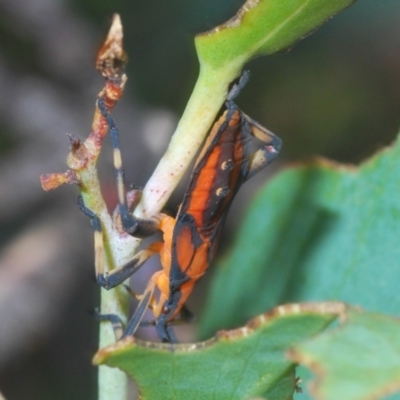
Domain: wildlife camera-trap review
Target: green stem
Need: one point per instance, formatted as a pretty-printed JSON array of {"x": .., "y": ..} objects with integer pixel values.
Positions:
[
  {"x": 119, "y": 248},
  {"x": 112, "y": 382},
  {"x": 205, "y": 102}
]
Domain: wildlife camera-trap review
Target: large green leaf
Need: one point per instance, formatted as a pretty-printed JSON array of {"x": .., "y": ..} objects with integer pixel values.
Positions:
[
  {"x": 263, "y": 27},
  {"x": 359, "y": 360},
  {"x": 235, "y": 365},
  {"x": 315, "y": 232}
]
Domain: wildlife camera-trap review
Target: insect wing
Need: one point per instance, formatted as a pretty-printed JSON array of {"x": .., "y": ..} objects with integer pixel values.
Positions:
[
  {"x": 220, "y": 170},
  {"x": 189, "y": 255}
]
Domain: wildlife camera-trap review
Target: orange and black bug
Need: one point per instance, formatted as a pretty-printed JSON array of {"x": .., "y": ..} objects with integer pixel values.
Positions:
[{"x": 226, "y": 161}]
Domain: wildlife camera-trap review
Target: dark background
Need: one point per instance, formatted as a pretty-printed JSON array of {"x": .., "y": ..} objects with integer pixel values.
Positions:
[{"x": 336, "y": 94}]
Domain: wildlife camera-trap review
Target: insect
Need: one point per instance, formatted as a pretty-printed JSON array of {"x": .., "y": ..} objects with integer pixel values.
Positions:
[{"x": 226, "y": 161}]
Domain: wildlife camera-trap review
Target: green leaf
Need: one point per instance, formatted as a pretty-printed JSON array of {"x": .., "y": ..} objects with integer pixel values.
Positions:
[
  {"x": 359, "y": 360},
  {"x": 263, "y": 27},
  {"x": 316, "y": 232},
  {"x": 239, "y": 364}
]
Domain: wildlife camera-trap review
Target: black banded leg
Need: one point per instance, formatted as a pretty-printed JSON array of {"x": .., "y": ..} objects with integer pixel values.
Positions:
[
  {"x": 171, "y": 334},
  {"x": 144, "y": 304},
  {"x": 116, "y": 322},
  {"x": 94, "y": 219},
  {"x": 98, "y": 237},
  {"x": 134, "y": 322},
  {"x": 134, "y": 226},
  {"x": 164, "y": 330},
  {"x": 118, "y": 275},
  {"x": 128, "y": 222},
  {"x": 109, "y": 280}
]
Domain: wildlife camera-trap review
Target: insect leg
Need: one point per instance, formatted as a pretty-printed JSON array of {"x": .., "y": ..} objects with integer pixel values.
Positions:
[
  {"x": 171, "y": 334},
  {"x": 237, "y": 87},
  {"x": 163, "y": 321},
  {"x": 132, "y": 225},
  {"x": 142, "y": 307},
  {"x": 94, "y": 219},
  {"x": 109, "y": 280},
  {"x": 115, "y": 320},
  {"x": 165, "y": 331},
  {"x": 98, "y": 237},
  {"x": 115, "y": 277}
]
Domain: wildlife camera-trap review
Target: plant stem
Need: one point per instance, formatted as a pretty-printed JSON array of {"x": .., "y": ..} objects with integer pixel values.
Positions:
[
  {"x": 208, "y": 95},
  {"x": 112, "y": 383}
]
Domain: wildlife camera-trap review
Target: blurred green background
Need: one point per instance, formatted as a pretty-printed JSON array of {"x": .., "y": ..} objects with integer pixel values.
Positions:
[{"x": 336, "y": 94}]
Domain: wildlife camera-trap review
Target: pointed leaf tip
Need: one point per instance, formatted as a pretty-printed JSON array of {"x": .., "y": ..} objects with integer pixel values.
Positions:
[{"x": 111, "y": 58}]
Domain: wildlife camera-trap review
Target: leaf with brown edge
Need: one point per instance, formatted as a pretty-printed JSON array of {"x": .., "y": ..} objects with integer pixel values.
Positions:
[
  {"x": 237, "y": 364},
  {"x": 359, "y": 360}
]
